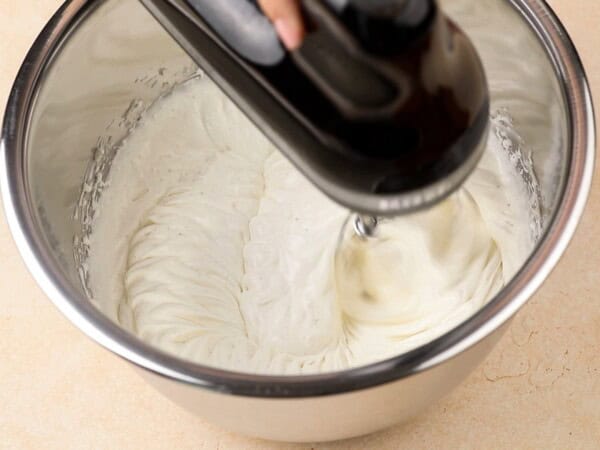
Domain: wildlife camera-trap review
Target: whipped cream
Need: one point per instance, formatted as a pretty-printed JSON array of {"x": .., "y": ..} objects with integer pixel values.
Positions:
[{"x": 210, "y": 245}]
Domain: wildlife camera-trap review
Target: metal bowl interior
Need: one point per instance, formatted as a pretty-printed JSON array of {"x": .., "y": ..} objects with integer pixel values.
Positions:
[{"x": 100, "y": 60}]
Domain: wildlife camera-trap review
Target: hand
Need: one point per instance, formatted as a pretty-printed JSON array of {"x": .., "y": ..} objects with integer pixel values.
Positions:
[{"x": 287, "y": 19}]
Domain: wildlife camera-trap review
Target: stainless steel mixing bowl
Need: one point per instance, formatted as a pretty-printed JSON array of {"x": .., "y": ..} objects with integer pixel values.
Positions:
[{"x": 83, "y": 86}]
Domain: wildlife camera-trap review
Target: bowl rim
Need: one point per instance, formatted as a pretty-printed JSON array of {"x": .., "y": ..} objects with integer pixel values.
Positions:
[{"x": 19, "y": 213}]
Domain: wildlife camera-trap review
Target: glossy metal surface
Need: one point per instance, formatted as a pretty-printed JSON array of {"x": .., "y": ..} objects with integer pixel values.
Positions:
[{"x": 94, "y": 57}]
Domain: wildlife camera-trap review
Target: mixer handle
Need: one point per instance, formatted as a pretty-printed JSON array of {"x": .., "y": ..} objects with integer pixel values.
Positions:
[
  {"x": 345, "y": 52},
  {"x": 241, "y": 24}
]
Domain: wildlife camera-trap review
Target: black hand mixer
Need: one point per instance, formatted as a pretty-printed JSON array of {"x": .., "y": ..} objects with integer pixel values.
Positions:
[{"x": 384, "y": 107}]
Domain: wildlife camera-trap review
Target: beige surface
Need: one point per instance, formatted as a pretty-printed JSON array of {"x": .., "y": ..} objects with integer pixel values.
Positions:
[{"x": 539, "y": 389}]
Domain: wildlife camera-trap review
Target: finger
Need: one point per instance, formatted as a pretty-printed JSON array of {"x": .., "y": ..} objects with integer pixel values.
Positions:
[{"x": 287, "y": 19}]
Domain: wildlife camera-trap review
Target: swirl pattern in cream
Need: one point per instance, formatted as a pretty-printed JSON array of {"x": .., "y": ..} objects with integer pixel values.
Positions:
[{"x": 211, "y": 246}]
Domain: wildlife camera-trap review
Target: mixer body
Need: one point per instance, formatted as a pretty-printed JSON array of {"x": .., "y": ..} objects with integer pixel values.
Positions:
[{"x": 384, "y": 107}]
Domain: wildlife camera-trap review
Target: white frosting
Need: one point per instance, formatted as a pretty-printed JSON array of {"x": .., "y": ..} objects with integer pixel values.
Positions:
[{"x": 211, "y": 246}]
